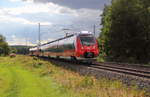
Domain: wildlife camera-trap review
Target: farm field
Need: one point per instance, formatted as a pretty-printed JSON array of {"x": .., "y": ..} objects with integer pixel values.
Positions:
[{"x": 24, "y": 76}]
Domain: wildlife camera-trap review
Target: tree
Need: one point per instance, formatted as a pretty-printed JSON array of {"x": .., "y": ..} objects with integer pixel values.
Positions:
[
  {"x": 4, "y": 48},
  {"x": 13, "y": 50},
  {"x": 103, "y": 38},
  {"x": 21, "y": 49},
  {"x": 127, "y": 24}
]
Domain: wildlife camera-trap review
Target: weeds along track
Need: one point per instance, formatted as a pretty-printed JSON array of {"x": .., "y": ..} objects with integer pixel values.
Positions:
[{"x": 137, "y": 75}]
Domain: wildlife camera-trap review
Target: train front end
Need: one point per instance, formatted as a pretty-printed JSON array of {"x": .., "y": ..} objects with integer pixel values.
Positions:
[{"x": 87, "y": 46}]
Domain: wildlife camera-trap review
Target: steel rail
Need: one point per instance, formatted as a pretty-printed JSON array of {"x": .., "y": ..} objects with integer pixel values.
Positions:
[
  {"x": 121, "y": 70},
  {"x": 118, "y": 69}
]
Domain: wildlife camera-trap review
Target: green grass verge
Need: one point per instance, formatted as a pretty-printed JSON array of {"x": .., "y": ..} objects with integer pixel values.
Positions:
[
  {"x": 25, "y": 76},
  {"x": 16, "y": 81}
]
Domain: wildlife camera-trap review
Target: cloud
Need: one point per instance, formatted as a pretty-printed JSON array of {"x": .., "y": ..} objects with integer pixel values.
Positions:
[
  {"x": 25, "y": 18},
  {"x": 32, "y": 8},
  {"x": 89, "y": 13},
  {"x": 57, "y": 11},
  {"x": 8, "y": 19},
  {"x": 77, "y": 4},
  {"x": 51, "y": 9},
  {"x": 28, "y": 1},
  {"x": 46, "y": 41},
  {"x": 14, "y": 0},
  {"x": 19, "y": 41}
]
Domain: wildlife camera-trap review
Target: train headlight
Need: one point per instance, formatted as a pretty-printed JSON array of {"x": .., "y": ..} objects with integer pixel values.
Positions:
[
  {"x": 82, "y": 48},
  {"x": 94, "y": 47}
]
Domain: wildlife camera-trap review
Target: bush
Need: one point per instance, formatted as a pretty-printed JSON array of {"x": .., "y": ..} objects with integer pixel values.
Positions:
[{"x": 87, "y": 82}]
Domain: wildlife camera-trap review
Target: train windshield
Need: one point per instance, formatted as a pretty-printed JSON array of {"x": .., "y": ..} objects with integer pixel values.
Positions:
[{"x": 87, "y": 40}]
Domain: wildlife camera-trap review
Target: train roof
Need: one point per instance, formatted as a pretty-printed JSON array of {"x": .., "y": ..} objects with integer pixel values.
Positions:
[
  {"x": 54, "y": 41},
  {"x": 77, "y": 34},
  {"x": 58, "y": 39}
]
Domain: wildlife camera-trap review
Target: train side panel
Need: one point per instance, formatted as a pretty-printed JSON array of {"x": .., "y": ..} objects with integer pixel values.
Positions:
[{"x": 64, "y": 47}]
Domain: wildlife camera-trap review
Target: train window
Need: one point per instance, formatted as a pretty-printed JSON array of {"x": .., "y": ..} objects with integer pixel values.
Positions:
[{"x": 87, "y": 40}]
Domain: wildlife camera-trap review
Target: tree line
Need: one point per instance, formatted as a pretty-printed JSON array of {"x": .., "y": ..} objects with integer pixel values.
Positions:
[
  {"x": 4, "y": 48},
  {"x": 20, "y": 49},
  {"x": 125, "y": 33}
]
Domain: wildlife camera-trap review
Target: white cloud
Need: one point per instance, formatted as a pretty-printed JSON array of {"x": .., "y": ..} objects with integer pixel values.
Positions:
[
  {"x": 28, "y": 1},
  {"x": 46, "y": 41},
  {"x": 19, "y": 41},
  {"x": 31, "y": 8},
  {"x": 76, "y": 19},
  {"x": 8, "y": 19},
  {"x": 89, "y": 13},
  {"x": 45, "y": 23},
  {"x": 14, "y": 0},
  {"x": 1, "y": 12},
  {"x": 81, "y": 13},
  {"x": 69, "y": 11},
  {"x": 51, "y": 8}
]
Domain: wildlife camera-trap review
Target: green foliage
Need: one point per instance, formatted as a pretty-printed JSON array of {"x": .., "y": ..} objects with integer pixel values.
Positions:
[
  {"x": 13, "y": 50},
  {"x": 87, "y": 82},
  {"x": 126, "y": 31},
  {"x": 4, "y": 48},
  {"x": 103, "y": 38},
  {"x": 37, "y": 64},
  {"x": 21, "y": 49}
]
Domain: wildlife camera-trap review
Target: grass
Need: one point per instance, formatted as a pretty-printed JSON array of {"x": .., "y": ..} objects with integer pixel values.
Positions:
[
  {"x": 19, "y": 81},
  {"x": 25, "y": 76}
]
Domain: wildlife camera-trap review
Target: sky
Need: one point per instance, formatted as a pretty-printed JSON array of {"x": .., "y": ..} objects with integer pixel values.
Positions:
[{"x": 19, "y": 19}]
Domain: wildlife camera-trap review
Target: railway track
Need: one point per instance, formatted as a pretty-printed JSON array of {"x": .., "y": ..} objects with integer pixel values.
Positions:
[
  {"x": 123, "y": 70},
  {"x": 127, "y": 74},
  {"x": 137, "y": 72}
]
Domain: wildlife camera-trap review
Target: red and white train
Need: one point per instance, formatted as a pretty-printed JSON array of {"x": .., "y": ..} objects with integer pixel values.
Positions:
[{"x": 76, "y": 46}]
